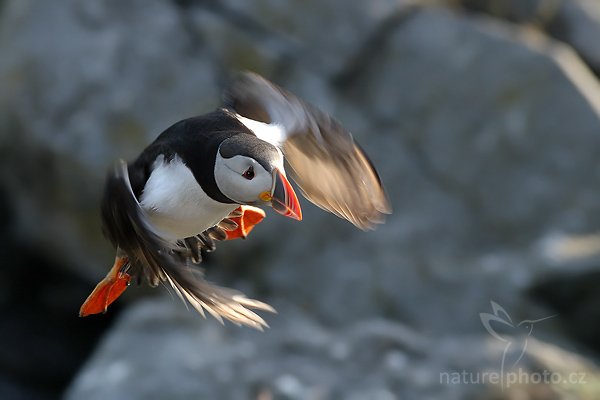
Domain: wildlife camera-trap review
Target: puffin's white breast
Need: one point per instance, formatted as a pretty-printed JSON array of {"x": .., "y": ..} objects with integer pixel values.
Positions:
[{"x": 175, "y": 202}]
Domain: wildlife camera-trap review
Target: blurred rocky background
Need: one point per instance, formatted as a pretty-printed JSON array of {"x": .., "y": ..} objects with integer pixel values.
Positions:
[{"x": 483, "y": 117}]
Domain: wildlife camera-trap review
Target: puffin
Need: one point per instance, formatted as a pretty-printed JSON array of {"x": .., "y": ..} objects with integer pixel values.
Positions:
[{"x": 206, "y": 179}]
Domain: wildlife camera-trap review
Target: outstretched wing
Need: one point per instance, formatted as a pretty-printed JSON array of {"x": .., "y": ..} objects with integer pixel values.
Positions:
[
  {"x": 331, "y": 169},
  {"x": 151, "y": 257}
]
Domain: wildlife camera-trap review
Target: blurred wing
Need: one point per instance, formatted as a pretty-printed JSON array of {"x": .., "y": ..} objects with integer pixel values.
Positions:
[
  {"x": 331, "y": 169},
  {"x": 126, "y": 225}
]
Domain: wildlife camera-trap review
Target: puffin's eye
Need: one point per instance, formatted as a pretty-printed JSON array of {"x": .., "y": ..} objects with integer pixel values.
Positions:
[{"x": 249, "y": 173}]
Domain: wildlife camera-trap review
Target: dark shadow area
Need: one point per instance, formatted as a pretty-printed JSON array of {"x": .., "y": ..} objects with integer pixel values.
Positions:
[
  {"x": 44, "y": 342},
  {"x": 575, "y": 298}
]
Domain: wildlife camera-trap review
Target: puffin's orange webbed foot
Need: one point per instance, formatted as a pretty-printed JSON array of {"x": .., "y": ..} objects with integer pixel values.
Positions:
[
  {"x": 108, "y": 290},
  {"x": 250, "y": 217}
]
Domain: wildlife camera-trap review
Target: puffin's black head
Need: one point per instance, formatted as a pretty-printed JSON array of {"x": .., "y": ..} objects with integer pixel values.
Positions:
[{"x": 250, "y": 171}]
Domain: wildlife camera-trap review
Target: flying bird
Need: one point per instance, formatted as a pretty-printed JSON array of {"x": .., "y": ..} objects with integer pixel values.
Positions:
[{"x": 203, "y": 180}]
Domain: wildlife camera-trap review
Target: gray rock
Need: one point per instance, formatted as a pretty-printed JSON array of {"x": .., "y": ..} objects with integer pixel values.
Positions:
[
  {"x": 158, "y": 351},
  {"x": 296, "y": 359},
  {"x": 576, "y": 22},
  {"x": 323, "y": 40}
]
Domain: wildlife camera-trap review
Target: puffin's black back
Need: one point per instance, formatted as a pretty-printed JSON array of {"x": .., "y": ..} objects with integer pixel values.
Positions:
[{"x": 196, "y": 141}]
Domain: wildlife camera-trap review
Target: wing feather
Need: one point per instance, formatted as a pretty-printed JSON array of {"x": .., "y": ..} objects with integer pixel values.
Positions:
[{"x": 330, "y": 168}]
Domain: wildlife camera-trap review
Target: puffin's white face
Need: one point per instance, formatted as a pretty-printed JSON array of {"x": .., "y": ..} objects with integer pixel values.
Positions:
[
  {"x": 243, "y": 179},
  {"x": 250, "y": 171}
]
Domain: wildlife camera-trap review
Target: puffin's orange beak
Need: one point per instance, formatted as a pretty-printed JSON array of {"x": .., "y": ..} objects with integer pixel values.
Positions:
[{"x": 283, "y": 197}]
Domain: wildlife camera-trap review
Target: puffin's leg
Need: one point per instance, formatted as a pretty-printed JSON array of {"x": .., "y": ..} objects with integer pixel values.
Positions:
[
  {"x": 250, "y": 216},
  {"x": 109, "y": 288}
]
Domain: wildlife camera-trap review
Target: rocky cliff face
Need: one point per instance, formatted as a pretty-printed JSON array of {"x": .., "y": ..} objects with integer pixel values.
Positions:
[{"x": 484, "y": 122}]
